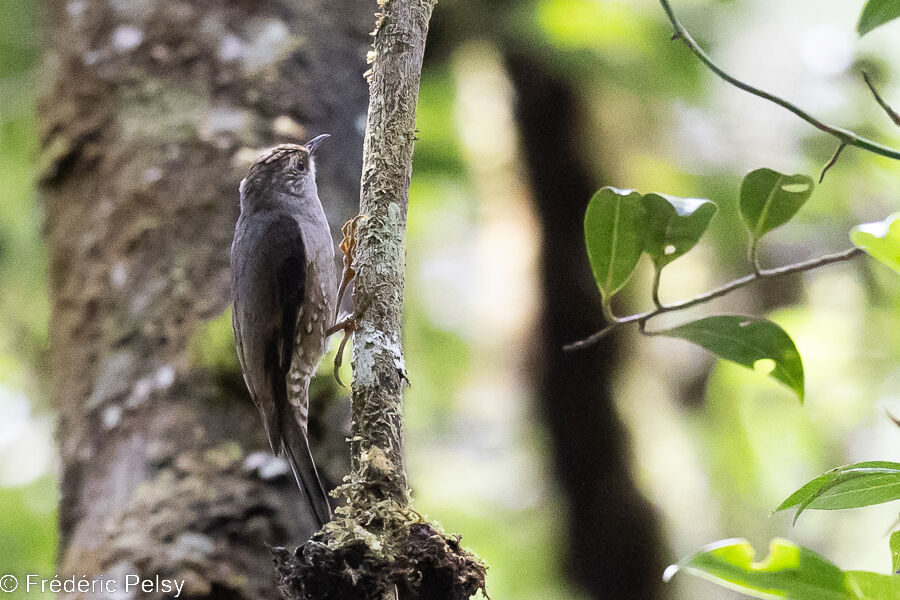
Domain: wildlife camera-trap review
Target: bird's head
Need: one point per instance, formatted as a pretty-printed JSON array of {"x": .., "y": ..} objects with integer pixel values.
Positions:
[{"x": 284, "y": 172}]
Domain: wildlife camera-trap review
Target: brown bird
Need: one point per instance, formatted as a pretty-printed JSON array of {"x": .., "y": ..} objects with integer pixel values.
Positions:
[{"x": 284, "y": 285}]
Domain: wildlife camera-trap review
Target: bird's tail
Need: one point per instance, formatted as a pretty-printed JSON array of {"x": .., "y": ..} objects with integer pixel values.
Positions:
[{"x": 296, "y": 449}]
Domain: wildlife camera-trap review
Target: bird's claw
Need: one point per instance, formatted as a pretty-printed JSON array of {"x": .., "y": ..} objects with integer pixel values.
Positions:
[{"x": 348, "y": 326}]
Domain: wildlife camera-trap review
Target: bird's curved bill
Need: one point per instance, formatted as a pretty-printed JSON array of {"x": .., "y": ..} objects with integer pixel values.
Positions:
[{"x": 314, "y": 143}]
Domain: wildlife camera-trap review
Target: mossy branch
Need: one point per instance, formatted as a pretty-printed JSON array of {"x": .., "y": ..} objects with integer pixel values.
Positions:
[
  {"x": 378, "y": 364},
  {"x": 377, "y": 548}
]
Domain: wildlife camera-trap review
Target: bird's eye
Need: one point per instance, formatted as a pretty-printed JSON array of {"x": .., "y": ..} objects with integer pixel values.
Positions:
[{"x": 300, "y": 165}]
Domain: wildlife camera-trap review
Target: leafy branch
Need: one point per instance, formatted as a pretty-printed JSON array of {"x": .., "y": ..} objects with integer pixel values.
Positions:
[
  {"x": 763, "y": 274},
  {"x": 844, "y": 136},
  {"x": 620, "y": 226},
  {"x": 790, "y": 570}
]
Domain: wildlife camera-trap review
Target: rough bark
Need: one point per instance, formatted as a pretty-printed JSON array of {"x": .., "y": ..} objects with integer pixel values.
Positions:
[
  {"x": 379, "y": 370},
  {"x": 377, "y": 548},
  {"x": 614, "y": 542},
  {"x": 154, "y": 112}
]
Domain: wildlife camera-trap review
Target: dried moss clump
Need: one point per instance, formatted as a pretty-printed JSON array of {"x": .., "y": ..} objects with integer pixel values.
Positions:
[{"x": 346, "y": 560}]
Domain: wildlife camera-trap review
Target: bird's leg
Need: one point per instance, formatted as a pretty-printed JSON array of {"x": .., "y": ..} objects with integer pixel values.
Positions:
[
  {"x": 348, "y": 323},
  {"x": 348, "y": 249},
  {"x": 348, "y": 326}
]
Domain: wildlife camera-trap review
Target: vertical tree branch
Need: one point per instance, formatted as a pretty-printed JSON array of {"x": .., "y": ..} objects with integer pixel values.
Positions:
[
  {"x": 378, "y": 365},
  {"x": 377, "y": 547}
]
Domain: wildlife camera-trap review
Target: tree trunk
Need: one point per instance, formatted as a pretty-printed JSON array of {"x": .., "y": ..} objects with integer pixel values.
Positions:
[
  {"x": 614, "y": 548},
  {"x": 614, "y": 537},
  {"x": 156, "y": 110}
]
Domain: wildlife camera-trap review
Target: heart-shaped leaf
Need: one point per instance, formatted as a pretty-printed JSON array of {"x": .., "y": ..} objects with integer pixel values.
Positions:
[
  {"x": 789, "y": 571},
  {"x": 770, "y": 199},
  {"x": 674, "y": 225},
  {"x": 877, "y": 13},
  {"x": 880, "y": 240},
  {"x": 752, "y": 342},
  {"x": 851, "y": 486},
  {"x": 614, "y": 226}
]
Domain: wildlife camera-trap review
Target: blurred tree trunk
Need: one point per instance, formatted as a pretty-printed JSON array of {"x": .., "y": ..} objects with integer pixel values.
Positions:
[
  {"x": 614, "y": 548},
  {"x": 155, "y": 110}
]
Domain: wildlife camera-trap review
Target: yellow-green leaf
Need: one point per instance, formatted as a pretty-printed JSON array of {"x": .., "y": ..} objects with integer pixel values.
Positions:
[
  {"x": 789, "y": 571},
  {"x": 895, "y": 551},
  {"x": 880, "y": 239}
]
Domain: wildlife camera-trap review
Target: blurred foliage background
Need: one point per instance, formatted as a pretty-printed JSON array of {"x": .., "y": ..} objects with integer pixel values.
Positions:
[{"x": 715, "y": 448}]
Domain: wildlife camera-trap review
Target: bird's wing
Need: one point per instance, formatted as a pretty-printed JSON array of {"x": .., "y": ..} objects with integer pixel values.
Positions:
[{"x": 269, "y": 273}]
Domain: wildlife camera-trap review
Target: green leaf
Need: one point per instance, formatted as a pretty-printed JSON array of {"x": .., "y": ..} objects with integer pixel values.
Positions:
[
  {"x": 789, "y": 571},
  {"x": 752, "y": 342},
  {"x": 770, "y": 199},
  {"x": 674, "y": 225},
  {"x": 877, "y": 13},
  {"x": 895, "y": 551},
  {"x": 614, "y": 226},
  {"x": 872, "y": 586},
  {"x": 880, "y": 239},
  {"x": 813, "y": 486},
  {"x": 850, "y": 486}
]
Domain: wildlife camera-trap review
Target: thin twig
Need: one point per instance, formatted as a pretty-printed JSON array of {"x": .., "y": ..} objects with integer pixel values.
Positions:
[
  {"x": 843, "y": 135},
  {"x": 895, "y": 117},
  {"x": 833, "y": 161},
  {"x": 642, "y": 318}
]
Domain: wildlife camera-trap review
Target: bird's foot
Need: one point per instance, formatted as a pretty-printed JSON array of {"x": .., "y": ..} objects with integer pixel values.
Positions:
[
  {"x": 348, "y": 249},
  {"x": 348, "y": 323},
  {"x": 348, "y": 326}
]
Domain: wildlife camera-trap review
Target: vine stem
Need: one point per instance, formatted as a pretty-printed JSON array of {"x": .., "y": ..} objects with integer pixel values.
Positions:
[
  {"x": 845, "y": 136},
  {"x": 833, "y": 161},
  {"x": 752, "y": 255},
  {"x": 654, "y": 290},
  {"x": 894, "y": 115},
  {"x": 642, "y": 318}
]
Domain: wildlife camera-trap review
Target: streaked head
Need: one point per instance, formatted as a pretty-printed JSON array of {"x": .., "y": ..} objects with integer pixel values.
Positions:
[{"x": 285, "y": 169}]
